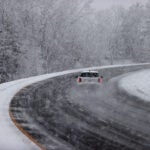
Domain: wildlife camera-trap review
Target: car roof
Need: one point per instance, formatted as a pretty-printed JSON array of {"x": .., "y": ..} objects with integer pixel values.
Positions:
[{"x": 90, "y": 71}]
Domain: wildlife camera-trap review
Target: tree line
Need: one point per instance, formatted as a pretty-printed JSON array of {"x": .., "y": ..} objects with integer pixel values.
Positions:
[{"x": 41, "y": 36}]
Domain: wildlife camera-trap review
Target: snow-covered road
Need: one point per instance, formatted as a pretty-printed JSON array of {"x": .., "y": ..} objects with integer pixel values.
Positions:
[
  {"x": 10, "y": 137},
  {"x": 137, "y": 84}
]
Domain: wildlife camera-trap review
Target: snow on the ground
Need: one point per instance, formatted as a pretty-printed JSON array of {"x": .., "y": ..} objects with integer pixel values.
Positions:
[
  {"x": 137, "y": 84},
  {"x": 10, "y": 137}
]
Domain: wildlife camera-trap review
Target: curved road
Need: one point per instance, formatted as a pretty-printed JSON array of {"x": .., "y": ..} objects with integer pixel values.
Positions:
[{"x": 109, "y": 113}]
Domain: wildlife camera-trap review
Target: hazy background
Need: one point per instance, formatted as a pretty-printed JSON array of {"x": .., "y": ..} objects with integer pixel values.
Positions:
[
  {"x": 42, "y": 36},
  {"x": 105, "y": 4}
]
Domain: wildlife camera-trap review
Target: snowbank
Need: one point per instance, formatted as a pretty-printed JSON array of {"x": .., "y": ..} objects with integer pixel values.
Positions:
[{"x": 137, "y": 84}]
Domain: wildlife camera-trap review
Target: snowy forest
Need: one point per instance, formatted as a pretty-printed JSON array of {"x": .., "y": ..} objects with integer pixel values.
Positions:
[{"x": 42, "y": 36}]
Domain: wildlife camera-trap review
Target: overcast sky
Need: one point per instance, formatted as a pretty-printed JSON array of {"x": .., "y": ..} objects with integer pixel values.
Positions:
[{"x": 103, "y": 4}]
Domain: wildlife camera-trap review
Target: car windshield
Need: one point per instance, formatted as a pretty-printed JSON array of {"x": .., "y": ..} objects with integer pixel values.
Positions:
[{"x": 89, "y": 74}]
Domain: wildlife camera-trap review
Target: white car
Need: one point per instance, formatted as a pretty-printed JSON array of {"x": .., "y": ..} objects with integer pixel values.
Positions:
[{"x": 90, "y": 77}]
